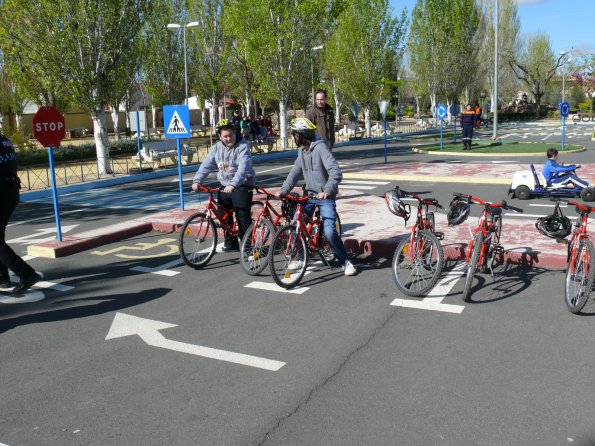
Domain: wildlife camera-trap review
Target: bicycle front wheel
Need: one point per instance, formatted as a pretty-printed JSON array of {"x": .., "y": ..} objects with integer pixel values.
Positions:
[
  {"x": 254, "y": 252},
  {"x": 473, "y": 263},
  {"x": 417, "y": 266},
  {"x": 197, "y": 240},
  {"x": 288, "y": 257},
  {"x": 580, "y": 281}
]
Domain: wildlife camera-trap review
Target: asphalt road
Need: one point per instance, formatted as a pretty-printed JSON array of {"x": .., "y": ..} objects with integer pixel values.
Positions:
[{"x": 238, "y": 364}]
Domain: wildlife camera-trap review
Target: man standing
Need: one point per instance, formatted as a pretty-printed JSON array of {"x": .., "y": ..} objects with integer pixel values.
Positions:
[
  {"x": 322, "y": 116},
  {"x": 468, "y": 123},
  {"x": 9, "y": 199}
]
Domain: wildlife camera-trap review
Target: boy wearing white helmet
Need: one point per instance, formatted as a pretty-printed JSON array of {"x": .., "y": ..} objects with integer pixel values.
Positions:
[{"x": 316, "y": 165}]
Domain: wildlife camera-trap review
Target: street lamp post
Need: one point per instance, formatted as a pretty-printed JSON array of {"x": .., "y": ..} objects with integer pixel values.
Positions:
[
  {"x": 495, "y": 93},
  {"x": 383, "y": 105},
  {"x": 316, "y": 48},
  {"x": 178, "y": 26},
  {"x": 566, "y": 60},
  {"x": 482, "y": 95}
]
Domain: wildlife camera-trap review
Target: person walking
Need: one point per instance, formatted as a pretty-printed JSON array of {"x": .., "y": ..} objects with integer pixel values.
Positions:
[
  {"x": 10, "y": 186},
  {"x": 316, "y": 165},
  {"x": 233, "y": 162},
  {"x": 468, "y": 123},
  {"x": 477, "y": 116},
  {"x": 322, "y": 116}
]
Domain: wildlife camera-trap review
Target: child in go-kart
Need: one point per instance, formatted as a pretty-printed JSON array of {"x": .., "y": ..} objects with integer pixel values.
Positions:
[{"x": 558, "y": 175}]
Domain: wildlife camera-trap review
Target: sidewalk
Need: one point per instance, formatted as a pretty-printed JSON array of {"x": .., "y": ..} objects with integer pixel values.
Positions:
[{"x": 370, "y": 230}]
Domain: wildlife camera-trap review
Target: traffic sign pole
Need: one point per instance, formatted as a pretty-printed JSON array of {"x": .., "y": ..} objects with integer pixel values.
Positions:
[
  {"x": 55, "y": 195},
  {"x": 176, "y": 119},
  {"x": 49, "y": 129},
  {"x": 564, "y": 112},
  {"x": 180, "y": 182},
  {"x": 563, "y": 130}
]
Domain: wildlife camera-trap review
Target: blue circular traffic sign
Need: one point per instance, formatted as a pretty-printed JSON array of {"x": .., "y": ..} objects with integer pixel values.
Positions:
[
  {"x": 441, "y": 111},
  {"x": 564, "y": 109},
  {"x": 455, "y": 109}
]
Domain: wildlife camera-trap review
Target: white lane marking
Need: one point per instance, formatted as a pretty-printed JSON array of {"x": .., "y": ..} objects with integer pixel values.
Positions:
[
  {"x": 32, "y": 295},
  {"x": 547, "y": 205},
  {"x": 35, "y": 238},
  {"x": 148, "y": 331},
  {"x": 276, "y": 168},
  {"x": 162, "y": 270},
  {"x": 379, "y": 183},
  {"x": 434, "y": 300},
  {"x": 514, "y": 214},
  {"x": 357, "y": 186},
  {"x": 48, "y": 217},
  {"x": 267, "y": 286},
  {"x": 28, "y": 257}
]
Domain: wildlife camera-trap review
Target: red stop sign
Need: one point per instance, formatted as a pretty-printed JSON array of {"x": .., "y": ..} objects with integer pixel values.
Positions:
[{"x": 48, "y": 127}]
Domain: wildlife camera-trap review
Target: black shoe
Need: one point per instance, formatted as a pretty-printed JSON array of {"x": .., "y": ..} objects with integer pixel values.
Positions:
[
  {"x": 230, "y": 247},
  {"x": 4, "y": 281},
  {"x": 26, "y": 283}
]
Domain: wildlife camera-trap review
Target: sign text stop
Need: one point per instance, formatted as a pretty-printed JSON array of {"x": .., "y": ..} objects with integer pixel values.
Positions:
[{"x": 48, "y": 127}]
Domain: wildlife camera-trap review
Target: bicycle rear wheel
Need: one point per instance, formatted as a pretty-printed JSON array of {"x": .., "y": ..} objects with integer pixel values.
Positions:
[
  {"x": 197, "y": 240},
  {"x": 417, "y": 266},
  {"x": 580, "y": 281},
  {"x": 472, "y": 266},
  {"x": 431, "y": 222},
  {"x": 288, "y": 257},
  {"x": 254, "y": 252},
  {"x": 494, "y": 244}
]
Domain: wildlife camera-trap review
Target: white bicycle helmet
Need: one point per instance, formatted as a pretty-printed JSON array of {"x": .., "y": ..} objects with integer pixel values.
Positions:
[{"x": 396, "y": 205}]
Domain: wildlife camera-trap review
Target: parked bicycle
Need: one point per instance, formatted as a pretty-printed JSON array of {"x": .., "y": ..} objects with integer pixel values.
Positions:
[
  {"x": 254, "y": 251},
  {"x": 197, "y": 240},
  {"x": 580, "y": 273},
  {"x": 418, "y": 259},
  {"x": 293, "y": 245},
  {"x": 485, "y": 246}
]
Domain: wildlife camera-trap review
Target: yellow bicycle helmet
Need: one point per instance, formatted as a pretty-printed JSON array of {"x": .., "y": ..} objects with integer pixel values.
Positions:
[{"x": 223, "y": 124}]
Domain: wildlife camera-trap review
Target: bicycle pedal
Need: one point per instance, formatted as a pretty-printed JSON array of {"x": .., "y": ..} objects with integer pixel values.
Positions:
[
  {"x": 562, "y": 241},
  {"x": 439, "y": 235},
  {"x": 499, "y": 249}
]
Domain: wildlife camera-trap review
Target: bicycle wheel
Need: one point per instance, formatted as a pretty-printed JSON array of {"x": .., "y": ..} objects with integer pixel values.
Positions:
[
  {"x": 416, "y": 273},
  {"x": 197, "y": 240},
  {"x": 254, "y": 252},
  {"x": 580, "y": 281},
  {"x": 288, "y": 257},
  {"x": 431, "y": 222},
  {"x": 472, "y": 266},
  {"x": 256, "y": 209},
  {"x": 494, "y": 244},
  {"x": 324, "y": 248}
]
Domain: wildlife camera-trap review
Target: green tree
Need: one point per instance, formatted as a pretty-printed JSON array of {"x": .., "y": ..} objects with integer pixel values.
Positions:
[
  {"x": 536, "y": 65},
  {"x": 79, "y": 49},
  {"x": 275, "y": 35},
  {"x": 508, "y": 46},
  {"x": 365, "y": 52},
  {"x": 443, "y": 46}
]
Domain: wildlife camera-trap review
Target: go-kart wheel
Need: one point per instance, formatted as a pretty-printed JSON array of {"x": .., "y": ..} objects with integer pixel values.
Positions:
[
  {"x": 588, "y": 194},
  {"x": 522, "y": 193}
]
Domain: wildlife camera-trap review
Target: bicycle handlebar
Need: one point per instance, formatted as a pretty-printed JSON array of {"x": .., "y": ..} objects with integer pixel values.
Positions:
[
  {"x": 202, "y": 188},
  {"x": 476, "y": 200},
  {"x": 425, "y": 201}
]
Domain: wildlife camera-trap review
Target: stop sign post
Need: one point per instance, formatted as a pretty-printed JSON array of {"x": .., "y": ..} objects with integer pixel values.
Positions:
[{"x": 49, "y": 129}]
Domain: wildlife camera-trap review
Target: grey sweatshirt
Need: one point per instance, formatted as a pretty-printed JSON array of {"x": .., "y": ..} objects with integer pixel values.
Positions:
[
  {"x": 233, "y": 165},
  {"x": 317, "y": 167}
]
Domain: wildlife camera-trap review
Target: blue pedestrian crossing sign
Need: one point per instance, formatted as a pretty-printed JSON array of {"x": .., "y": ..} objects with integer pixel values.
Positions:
[
  {"x": 176, "y": 121},
  {"x": 441, "y": 111}
]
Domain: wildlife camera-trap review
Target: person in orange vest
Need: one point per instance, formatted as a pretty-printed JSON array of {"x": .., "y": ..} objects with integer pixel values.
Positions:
[
  {"x": 467, "y": 122},
  {"x": 477, "y": 116}
]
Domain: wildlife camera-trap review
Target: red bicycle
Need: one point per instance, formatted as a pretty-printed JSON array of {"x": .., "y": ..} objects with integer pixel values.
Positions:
[
  {"x": 485, "y": 245},
  {"x": 254, "y": 251},
  {"x": 418, "y": 259},
  {"x": 294, "y": 244},
  {"x": 580, "y": 274},
  {"x": 197, "y": 241}
]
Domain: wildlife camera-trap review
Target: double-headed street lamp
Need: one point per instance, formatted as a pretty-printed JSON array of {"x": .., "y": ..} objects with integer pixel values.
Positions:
[
  {"x": 177, "y": 26},
  {"x": 565, "y": 60}
]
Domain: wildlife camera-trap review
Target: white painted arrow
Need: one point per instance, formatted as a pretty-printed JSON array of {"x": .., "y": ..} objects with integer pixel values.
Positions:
[
  {"x": 37, "y": 237},
  {"x": 148, "y": 330}
]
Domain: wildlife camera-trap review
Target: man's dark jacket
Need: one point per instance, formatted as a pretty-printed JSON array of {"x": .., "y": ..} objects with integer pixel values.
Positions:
[{"x": 325, "y": 123}]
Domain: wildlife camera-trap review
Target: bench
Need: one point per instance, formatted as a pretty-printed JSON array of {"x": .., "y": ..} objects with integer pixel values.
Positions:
[
  {"x": 258, "y": 145},
  {"x": 199, "y": 130},
  {"x": 155, "y": 152},
  {"x": 424, "y": 122}
]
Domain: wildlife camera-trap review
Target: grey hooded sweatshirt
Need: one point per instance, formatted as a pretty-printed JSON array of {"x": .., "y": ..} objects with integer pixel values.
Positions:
[
  {"x": 233, "y": 165},
  {"x": 317, "y": 167}
]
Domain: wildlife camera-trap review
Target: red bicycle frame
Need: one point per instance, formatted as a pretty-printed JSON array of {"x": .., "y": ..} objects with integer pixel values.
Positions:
[
  {"x": 579, "y": 232},
  {"x": 213, "y": 210},
  {"x": 485, "y": 225}
]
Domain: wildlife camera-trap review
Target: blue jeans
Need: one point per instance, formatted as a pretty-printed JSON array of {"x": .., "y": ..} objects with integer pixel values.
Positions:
[{"x": 328, "y": 213}]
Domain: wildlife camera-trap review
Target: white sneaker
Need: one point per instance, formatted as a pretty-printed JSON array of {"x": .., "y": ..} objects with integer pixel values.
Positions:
[
  {"x": 349, "y": 268},
  {"x": 294, "y": 265}
]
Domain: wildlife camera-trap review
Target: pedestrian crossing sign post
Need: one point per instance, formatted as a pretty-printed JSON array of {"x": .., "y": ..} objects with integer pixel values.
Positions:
[{"x": 176, "y": 124}]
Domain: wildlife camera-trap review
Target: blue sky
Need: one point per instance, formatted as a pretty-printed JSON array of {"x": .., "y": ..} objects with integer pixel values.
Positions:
[{"x": 569, "y": 23}]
